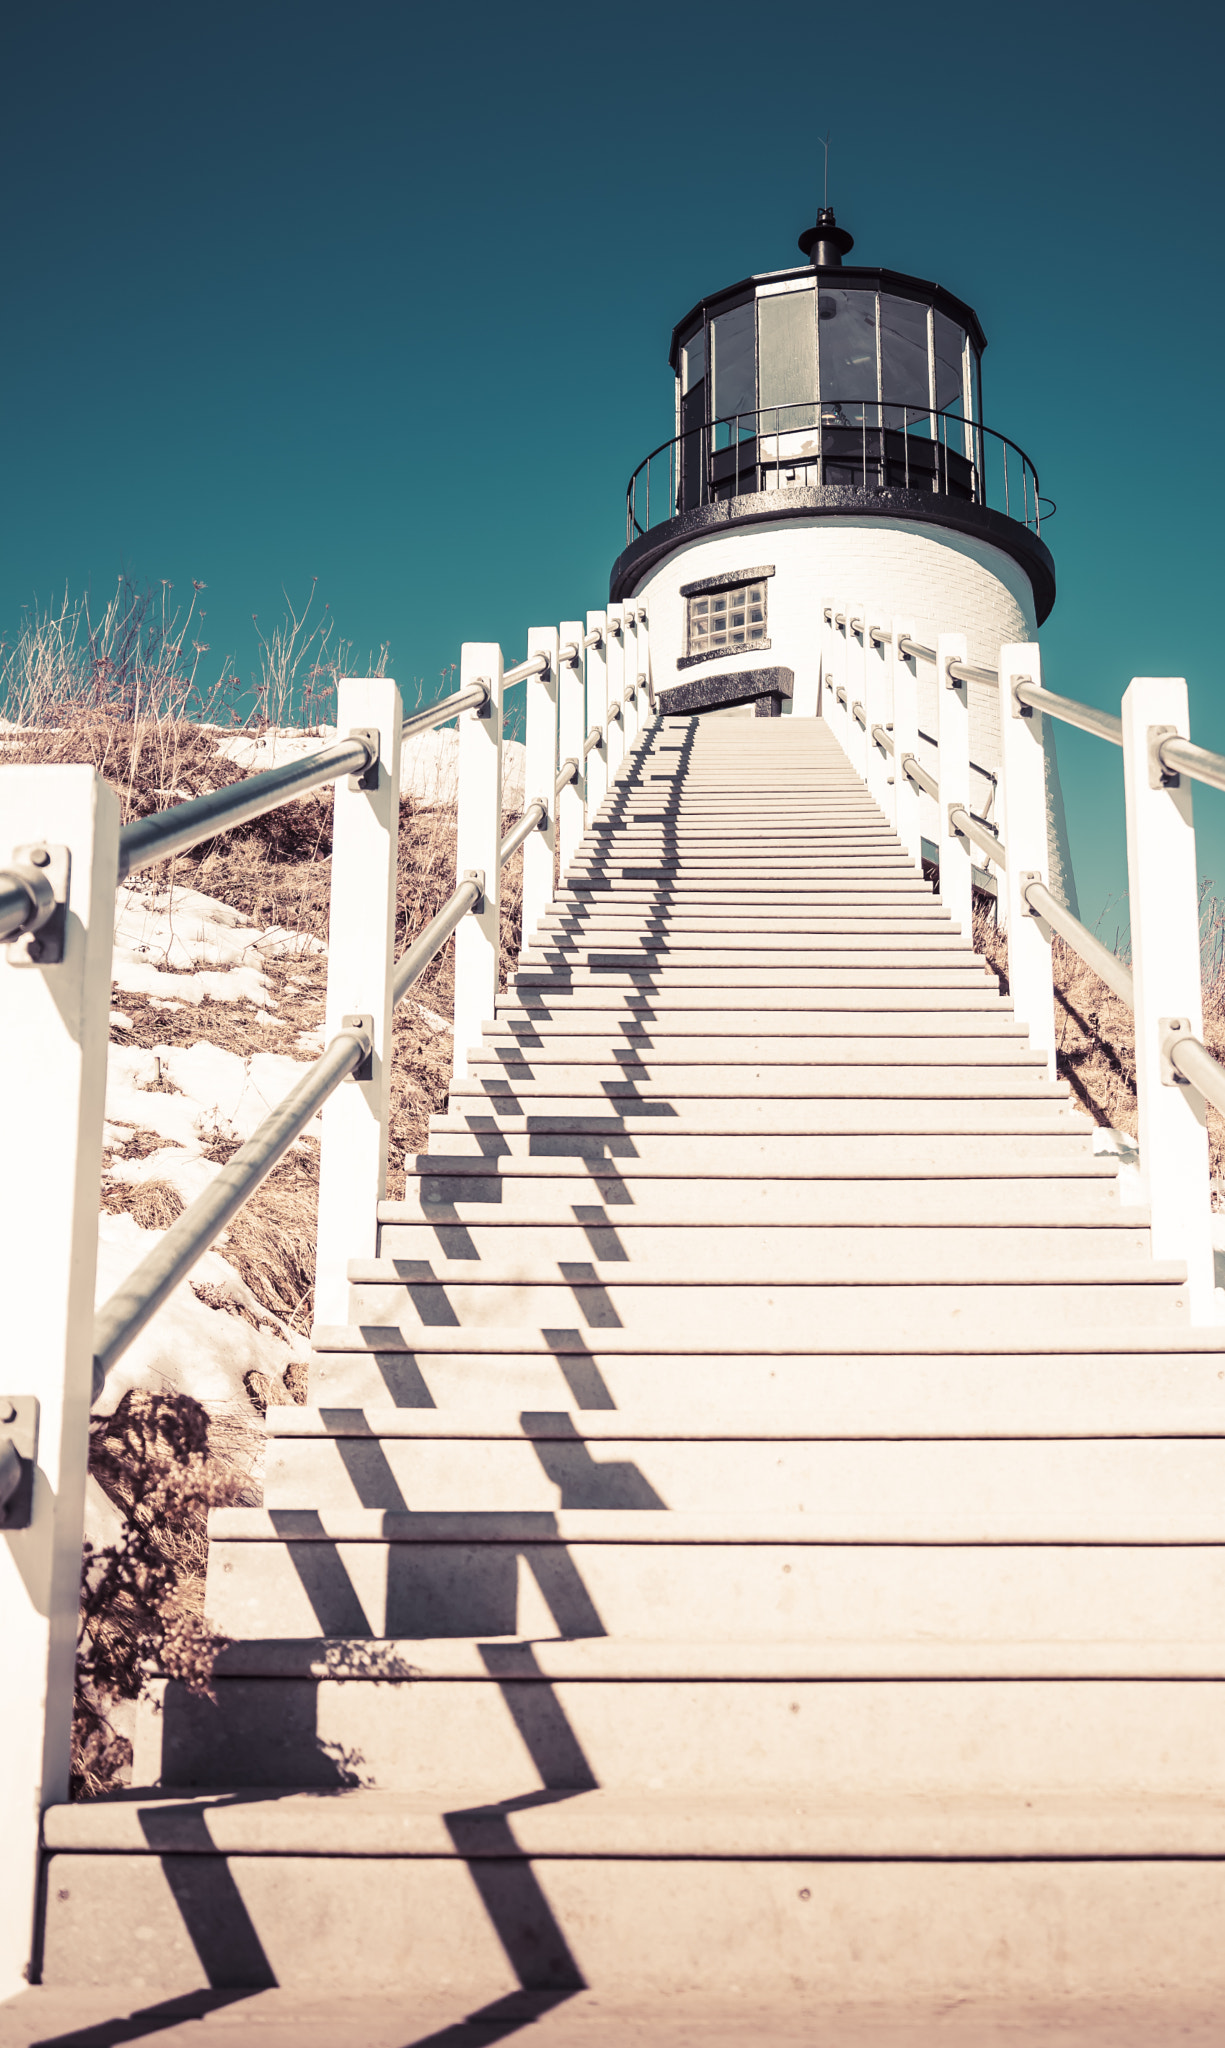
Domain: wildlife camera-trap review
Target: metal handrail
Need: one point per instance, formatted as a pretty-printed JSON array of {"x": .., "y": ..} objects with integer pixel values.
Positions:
[
  {"x": 911, "y": 650},
  {"x": 919, "y": 776},
  {"x": 1103, "y": 724},
  {"x": 593, "y": 639},
  {"x": 534, "y": 817},
  {"x": 614, "y": 713},
  {"x": 840, "y": 694},
  {"x": 1192, "y": 1059},
  {"x": 568, "y": 772},
  {"x": 840, "y": 619},
  {"x": 165, "y": 833},
  {"x": 966, "y": 672},
  {"x": 878, "y": 636},
  {"x": 413, "y": 963},
  {"x": 26, "y": 901},
  {"x": 1104, "y": 963},
  {"x": 883, "y": 738},
  {"x": 859, "y": 715},
  {"x": 1182, "y": 757},
  {"x": 535, "y": 665},
  {"x": 569, "y": 652},
  {"x": 140, "y": 1296},
  {"x": 980, "y": 835},
  {"x": 594, "y": 739}
]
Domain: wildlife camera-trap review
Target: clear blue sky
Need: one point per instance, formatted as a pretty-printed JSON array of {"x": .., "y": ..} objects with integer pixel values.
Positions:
[{"x": 382, "y": 294}]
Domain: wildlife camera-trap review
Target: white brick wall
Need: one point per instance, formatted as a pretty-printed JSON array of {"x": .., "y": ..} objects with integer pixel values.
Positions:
[{"x": 947, "y": 582}]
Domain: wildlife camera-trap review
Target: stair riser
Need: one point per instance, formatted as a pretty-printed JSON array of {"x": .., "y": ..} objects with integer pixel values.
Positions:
[
  {"x": 849, "y": 1396},
  {"x": 901, "y": 1931},
  {"x": 704, "y": 1592},
  {"x": 1171, "y": 1486},
  {"x": 898, "y": 1137},
  {"x": 646, "y": 1061},
  {"x": 1013, "y": 1080},
  {"x": 462, "y": 1742},
  {"x": 815, "y": 1318}
]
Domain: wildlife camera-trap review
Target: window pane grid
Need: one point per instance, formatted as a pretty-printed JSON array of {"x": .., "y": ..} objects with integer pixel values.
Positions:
[{"x": 727, "y": 619}]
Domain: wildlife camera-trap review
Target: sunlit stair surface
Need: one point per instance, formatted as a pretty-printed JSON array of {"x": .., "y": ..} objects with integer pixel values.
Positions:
[{"x": 761, "y": 1532}]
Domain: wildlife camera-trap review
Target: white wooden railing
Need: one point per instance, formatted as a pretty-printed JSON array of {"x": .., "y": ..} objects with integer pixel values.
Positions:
[
  {"x": 589, "y": 701},
  {"x": 870, "y": 679}
]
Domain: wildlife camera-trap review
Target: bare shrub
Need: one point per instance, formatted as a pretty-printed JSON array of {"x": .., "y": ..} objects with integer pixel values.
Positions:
[{"x": 142, "y": 1597}]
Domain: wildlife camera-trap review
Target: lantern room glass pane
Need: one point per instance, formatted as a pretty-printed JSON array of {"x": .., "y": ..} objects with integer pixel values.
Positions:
[
  {"x": 733, "y": 367},
  {"x": 693, "y": 360},
  {"x": 903, "y": 346},
  {"x": 847, "y": 328},
  {"x": 787, "y": 350},
  {"x": 950, "y": 390}
]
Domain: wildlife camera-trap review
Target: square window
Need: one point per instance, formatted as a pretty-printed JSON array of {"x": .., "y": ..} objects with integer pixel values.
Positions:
[{"x": 726, "y": 619}]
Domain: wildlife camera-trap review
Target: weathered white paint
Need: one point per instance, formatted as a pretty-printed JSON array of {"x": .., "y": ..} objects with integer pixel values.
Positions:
[
  {"x": 1021, "y": 815},
  {"x": 53, "y": 1038},
  {"x": 478, "y": 837},
  {"x": 953, "y": 775},
  {"x": 540, "y": 851},
  {"x": 1162, "y": 890},
  {"x": 361, "y": 937},
  {"x": 571, "y": 731}
]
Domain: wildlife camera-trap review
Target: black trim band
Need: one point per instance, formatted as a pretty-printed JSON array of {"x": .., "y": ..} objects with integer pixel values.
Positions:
[{"x": 729, "y": 582}]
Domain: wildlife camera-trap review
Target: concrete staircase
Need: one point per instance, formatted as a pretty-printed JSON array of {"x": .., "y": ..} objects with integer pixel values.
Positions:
[{"x": 761, "y": 1531}]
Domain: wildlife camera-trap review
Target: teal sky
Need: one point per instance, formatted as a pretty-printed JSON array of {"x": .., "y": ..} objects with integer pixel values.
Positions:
[{"x": 382, "y": 295}]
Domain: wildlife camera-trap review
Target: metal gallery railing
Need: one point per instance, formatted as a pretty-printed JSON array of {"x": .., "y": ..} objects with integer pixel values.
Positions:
[
  {"x": 848, "y": 443},
  {"x": 589, "y": 703},
  {"x": 871, "y": 676}
]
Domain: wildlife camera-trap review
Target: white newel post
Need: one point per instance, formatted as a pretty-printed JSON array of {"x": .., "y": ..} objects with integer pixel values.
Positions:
[
  {"x": 597, "y": 712},
  {"x": 540, "y": 775},
  {"x": 953, "y": 775},
  {"x": 1021, "y": 815},
  {"x": 629, "y": 638},
  {"x": 571, "y": 732},
  {"x": 828, "y": 664},
  {"x": 477, "y": 842},
  {"x": 876, "y": 703},
  {"x": 361, "y": 946},
  {"x": 906, "y": 742},
  {"x": 1163, "y": 892},
  {"x": 838, "y": 712},
  {"x": 614, "y": 639},
  {"x": 54, "y": 1027},
  {"x": 856, "y": 686},
  {"x": 644, "y": 665}
]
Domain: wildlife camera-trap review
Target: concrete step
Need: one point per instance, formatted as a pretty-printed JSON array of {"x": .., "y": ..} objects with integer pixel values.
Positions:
[
  {"x": 663, "y": 1894},
  {"x": 612, "y": 1248},
  {"x": 646, "y": 1053},
  {"x": 1064, "y": 1573},
  {"x": 491, "y": 1725},
  {"x": 781, "y": 1009},
  {"x": 710, "y": 1143},
  {"x": 1165, "y": 1482},
  {"x": 867, "y": 973},
  {"x": 1147, "y": 1389},
  {"x": 1019, "y": 1077},
  {"x": 434, "y": 1200},
  {"x": 1005, "y": 1149}
]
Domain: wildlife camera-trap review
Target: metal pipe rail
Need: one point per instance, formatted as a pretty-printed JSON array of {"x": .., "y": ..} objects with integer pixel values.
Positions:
[
  {"x": 911, "y": 650},
  {"x": 164, "y": 833},
  {"x": 26, "y": 901},
  {"x": 536, "y": 815},
  {"x": 134, "y": 1304},
  {"x": 840, "y": 693},
  {"x": 878, "y": 636},
  {"x": 1103, "y": 724},
  {"x": 593, "y": 639},
  {"x": 966, "y": 672},
  {"x": 1192, "y": 1059},
  {"x": 884, "y": 740},
  {"x": 1182, "y": 757},
  {"x": 977, "y": 833},
  {"x": 594, "y": 739},
  {"x": 568, "y": 772},
  {"x": 1104, "y": 963},
  {"x": 860, "y": 716},
  {"x": 919, "y": 776},
  {"x": 535, "y": 665}
]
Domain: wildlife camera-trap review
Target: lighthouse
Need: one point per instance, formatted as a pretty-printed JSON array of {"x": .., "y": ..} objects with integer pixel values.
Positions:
[{"x": 830, "y": 438}]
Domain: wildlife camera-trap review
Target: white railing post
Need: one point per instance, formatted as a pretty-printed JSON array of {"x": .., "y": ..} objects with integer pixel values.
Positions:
[
  {"x": 629, "y": 637},
  {"x": 539, "y": 776},
  {"x": 876, "y": 707},
  {"x": 614, "y": 638},
  {"x": 571, "y": 732},
  {"x": 478, "y": 839},
  {"x": 597, "y": 712},
  {"x": 906, "y": 741},
  {"x": 1022, "y": 822},
  {"x": 647, "y": 703},
  {"x": 856, "y": 686},
  {"x": 838, "y": 664},
  {"x": 953, "y": 776},
  {"x": 1163, "y": 893},
  {"x": 361, "y": 950},
  {"x": 54, "y": 1027}
]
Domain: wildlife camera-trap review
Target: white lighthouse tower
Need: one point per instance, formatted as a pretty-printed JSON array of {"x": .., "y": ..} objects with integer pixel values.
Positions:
[{"x": 830, "y": 439}]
